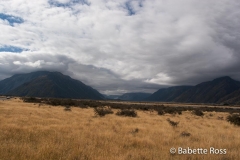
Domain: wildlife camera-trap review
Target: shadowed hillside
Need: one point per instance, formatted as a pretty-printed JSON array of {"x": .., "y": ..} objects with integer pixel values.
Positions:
[
  {"x": 233, "y": 98},
  {"x": 168, "y": 94},
  {"x": 11, "y": 83},
  {"x": 210, "y": 92},
  {"x": 52, "y": 84}
]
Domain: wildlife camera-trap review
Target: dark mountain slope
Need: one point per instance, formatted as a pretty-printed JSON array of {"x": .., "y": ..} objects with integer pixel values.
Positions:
[
  {"x": 232, "y": 98},
  {"x": 134, "y": 96},
  {"x": 11, "y": 83},
  {"x": 168, "y": 94},
  {"x": 209, "y": 92},
  {"x": 55, "y": 84}
]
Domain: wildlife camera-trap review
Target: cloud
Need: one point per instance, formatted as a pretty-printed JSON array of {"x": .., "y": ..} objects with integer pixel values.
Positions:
[{"x": 125, "y": 45}]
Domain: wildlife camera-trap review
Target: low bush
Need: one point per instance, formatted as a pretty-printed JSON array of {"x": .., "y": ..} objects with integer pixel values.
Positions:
[
  {"x": 198, "y": 112},
  {"x": 160, "y": 112},
  {"x": 170, "y": 110},
  {"x": 179, "y": 112},
  {"x": 102, "y": 111},
  {"x": 234, "y": 119},
  {"x": 127, "y": 112}
]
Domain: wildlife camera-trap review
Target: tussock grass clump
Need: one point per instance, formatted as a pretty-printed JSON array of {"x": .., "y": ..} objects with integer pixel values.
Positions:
[
  {"x": 102, "y": 111},
  {"x": 127, "y": 112},
  {"x": 198, "y": 112},
  {"x": 234, "y": 119}
]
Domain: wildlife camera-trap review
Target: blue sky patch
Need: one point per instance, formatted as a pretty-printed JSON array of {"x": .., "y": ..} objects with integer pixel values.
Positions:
[
  {"x": 11, "y": 49},
  {"x": 11, "y": 19},
  {"x": 69, "y": 4},
  {"x": 129, "y": 8}
]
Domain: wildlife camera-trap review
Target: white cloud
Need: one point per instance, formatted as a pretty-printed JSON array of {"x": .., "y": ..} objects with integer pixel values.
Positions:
[{"x": 17, "y": 63}]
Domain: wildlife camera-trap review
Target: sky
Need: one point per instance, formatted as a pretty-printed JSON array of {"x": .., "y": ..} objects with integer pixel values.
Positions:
[{"x": 120, "y": 46}]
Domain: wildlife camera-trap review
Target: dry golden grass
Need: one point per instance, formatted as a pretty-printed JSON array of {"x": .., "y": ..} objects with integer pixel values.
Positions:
[{"x": 28, "y": 131}]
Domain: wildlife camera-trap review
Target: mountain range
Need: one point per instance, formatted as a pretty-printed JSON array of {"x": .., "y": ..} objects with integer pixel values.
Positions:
[
  {"x": 57, "y": 85},
  {"x": 220, "y": 90}
]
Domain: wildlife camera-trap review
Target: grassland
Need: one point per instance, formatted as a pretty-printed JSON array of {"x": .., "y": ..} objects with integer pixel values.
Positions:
[{"x": 30, "y": 131}]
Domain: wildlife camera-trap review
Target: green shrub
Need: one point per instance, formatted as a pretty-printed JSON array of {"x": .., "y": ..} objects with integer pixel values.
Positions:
[
  {"x": 127, "y": 112},
  {"x": 234, "y": 119}
]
